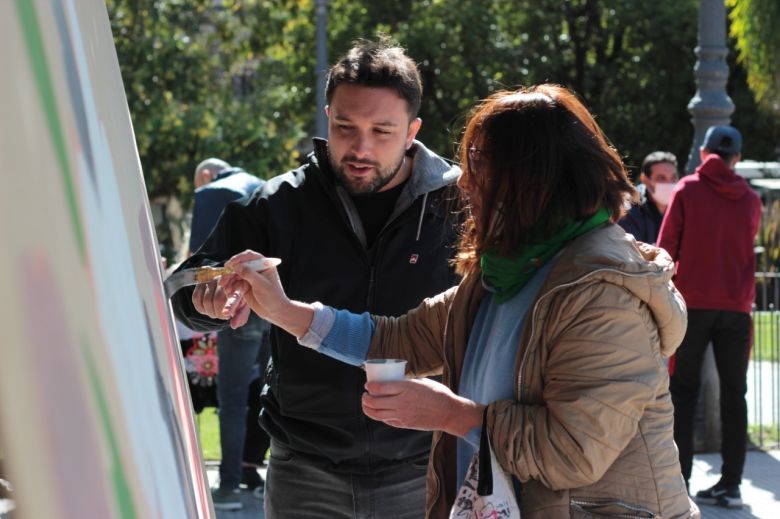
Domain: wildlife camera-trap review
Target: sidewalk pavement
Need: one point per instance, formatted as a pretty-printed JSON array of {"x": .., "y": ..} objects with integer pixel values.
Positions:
[
  {"x": 252, "y": 506},
  {"x": 760, "y": 488},
  {"x": 760, "y": 485}
]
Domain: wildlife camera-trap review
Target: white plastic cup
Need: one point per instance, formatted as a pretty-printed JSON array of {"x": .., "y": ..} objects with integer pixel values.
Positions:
[{"x": 385, "y": 370}]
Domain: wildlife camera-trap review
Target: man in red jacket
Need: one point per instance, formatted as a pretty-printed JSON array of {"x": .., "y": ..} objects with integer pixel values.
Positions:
[{"x": 710, "y": 229}]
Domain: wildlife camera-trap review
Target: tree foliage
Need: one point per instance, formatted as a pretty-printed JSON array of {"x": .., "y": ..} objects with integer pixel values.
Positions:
[
  {"x": 237, "y": 81},
  {"x": 204, "y": 81},
  {"x": 755, "y": 25},
  {"x": 629, "y": 60}
]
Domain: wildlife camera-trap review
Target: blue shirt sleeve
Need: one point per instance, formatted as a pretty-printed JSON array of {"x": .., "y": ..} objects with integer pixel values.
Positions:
[{"x": 340, "y": 334}]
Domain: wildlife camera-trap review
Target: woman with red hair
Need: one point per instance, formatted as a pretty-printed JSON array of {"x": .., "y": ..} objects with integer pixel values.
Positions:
[{"x": 555, "y": 339}]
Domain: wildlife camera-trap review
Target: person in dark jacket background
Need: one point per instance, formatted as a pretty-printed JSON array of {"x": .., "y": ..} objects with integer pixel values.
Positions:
[
  {"x": 217, "y": 184},
  {"x": 710, "y": 230},
  {"x": 242, "y": 443},
  {"x": 659, "y": 177},
  {"x": 363, "y": 225}
]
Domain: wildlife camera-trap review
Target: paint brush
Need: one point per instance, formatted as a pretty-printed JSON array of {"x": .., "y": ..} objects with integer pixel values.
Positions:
[{"x": 198, "y": 275}]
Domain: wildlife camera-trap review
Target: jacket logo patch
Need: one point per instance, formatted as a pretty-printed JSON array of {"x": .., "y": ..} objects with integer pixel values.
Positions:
[{"x": 413, "y": 259}]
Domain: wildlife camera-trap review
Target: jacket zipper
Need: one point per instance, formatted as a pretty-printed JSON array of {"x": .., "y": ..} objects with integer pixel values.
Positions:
[
  {"x": 378, "y": 243},
  {"x": 633, "y": 508},
  {"x": 533, "y": 319},
  {"x": 369, "y": 297}
]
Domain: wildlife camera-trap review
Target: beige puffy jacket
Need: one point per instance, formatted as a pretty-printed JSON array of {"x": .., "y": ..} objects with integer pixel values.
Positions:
[{"x": 590, "y": 430}]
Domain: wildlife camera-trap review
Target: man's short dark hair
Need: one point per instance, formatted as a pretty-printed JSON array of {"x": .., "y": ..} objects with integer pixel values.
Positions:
[
  {"x": 658, "y": 157},
  {"x": 381, "y": 65},
  {"x": 726, "y": 157}
]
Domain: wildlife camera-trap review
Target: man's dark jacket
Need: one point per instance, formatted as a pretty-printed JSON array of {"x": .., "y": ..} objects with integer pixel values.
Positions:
[{"x": 312, "y": 403}]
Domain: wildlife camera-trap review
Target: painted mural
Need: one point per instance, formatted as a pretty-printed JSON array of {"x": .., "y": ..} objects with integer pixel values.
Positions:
[{"x": 95, "y": 418}]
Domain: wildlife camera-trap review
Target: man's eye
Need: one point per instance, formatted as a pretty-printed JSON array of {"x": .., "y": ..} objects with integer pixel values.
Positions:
[
  {"x": 382, "y": 132},
  {"x": 344, "y": 127}
]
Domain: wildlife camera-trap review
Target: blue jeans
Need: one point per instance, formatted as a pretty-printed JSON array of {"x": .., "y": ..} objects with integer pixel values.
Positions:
[
  {"x": 238, "y": 352},
  {"x": 297, "y": 488}
]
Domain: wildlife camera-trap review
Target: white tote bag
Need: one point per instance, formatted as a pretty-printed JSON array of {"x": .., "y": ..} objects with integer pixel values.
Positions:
[{"x": 487, "y": 491}]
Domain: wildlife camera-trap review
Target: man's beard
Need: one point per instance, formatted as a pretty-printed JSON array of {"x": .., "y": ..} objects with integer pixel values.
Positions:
[{"x": 368, "y": 186}]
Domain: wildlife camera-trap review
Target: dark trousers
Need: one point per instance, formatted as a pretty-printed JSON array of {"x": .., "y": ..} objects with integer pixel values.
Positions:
[
  {"x": 256, "y": 440},
  {"x": 238, "y": 352},
  {"x": 730, "y": 335},
  {"x": 296, "y": 488}
]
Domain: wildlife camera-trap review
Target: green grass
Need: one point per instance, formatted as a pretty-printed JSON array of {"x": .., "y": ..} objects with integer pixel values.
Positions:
[
  {"x": 767, "y": 336},
  {"x": 207, "y": 423},
  {"x": 766, "y": 436},
  {"x": 766, "y": 347},
  {"x": 208, "y": 428}
]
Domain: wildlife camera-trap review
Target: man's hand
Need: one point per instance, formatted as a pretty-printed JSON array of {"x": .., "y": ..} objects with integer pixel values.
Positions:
[
  {"x": 421, "y": 404},
  {"x": 213, "y": 300},
  {"x": 263, "y": 293}
]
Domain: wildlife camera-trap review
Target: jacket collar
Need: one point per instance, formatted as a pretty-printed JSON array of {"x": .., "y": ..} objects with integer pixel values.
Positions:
[
  {"x": 227, "y": 172},
  {"x": 429, "y": 173}
]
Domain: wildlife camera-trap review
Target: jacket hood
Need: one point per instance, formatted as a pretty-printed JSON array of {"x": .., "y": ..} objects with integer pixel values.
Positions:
[
  {"x": 429, "y": 173},
  {"x": 609, "y": 254},
  {"x": 715, "y": 173}
]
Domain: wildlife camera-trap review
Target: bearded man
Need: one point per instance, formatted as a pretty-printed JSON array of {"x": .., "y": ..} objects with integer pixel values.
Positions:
[{"x": 362, "y": 225}]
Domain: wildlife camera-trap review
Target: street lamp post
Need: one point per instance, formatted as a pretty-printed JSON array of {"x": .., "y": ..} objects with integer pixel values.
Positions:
[
  {"x": 711, "y": 104},
  {"x": 321, "y": 7}
]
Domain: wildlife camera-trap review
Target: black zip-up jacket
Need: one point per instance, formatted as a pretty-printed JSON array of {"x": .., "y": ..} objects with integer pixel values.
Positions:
[{"x": 312, "y": 402}]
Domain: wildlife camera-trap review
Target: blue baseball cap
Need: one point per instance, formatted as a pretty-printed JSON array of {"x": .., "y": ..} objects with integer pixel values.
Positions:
[{"x": 725, "y": 140}]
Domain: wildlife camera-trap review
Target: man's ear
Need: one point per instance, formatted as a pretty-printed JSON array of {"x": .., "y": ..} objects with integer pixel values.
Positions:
[
  {"x": 203, "y": 177},
  {"x": 414, "y": 127},
  {"x": 735, "y": 159},
  {"x": 644, "y": 178},
  {"x": 327, "y": 110}
]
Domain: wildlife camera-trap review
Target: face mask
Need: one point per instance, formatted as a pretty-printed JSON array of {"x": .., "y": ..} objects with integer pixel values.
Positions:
[{"x": 663, "y": 192}]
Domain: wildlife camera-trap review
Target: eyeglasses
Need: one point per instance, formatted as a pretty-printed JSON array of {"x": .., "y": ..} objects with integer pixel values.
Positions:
[{"x": 475, "y": 157}]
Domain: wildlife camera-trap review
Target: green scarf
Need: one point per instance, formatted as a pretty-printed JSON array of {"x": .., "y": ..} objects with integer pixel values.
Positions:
[{"x": 508, "y": 275}]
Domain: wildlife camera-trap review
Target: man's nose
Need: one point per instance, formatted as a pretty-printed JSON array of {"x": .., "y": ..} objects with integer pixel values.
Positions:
[{"x": 362, "y": 145}]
